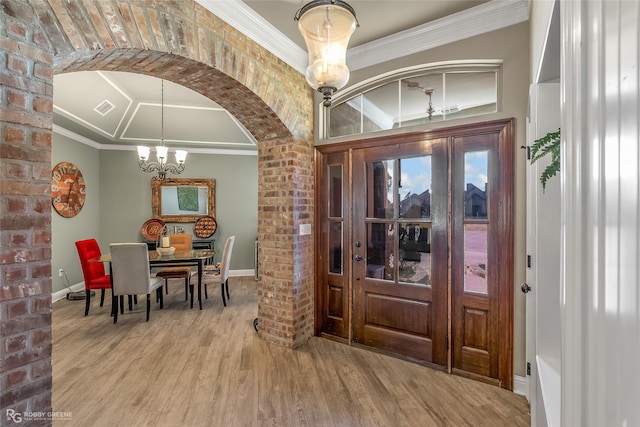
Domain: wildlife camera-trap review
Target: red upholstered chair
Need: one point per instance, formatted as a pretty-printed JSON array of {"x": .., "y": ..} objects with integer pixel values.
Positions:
[{"x": 94, "y": 275}]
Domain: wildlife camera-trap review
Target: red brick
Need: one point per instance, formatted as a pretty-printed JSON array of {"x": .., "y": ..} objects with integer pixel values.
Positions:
[
  {"x": 41, "y": 369},
  {"x": 43, "y": 71},
  {"x": 17, "y": 29},
  {"x": 16, "y": 205},
  {"x": 17, "y": 99},
  {"x": 15, "y": 343},
  {"x": 40, "y": 336},
  {"x": 17, "y": 309},
  {"x": 41, "y": 238},
  {"x": 15, "y": 378},
  {"x": 14, "y": 134},
  {"x": 19, "y": 65},
  {"x": 42, "y": 139},
  {"x": 15, "y": 274},
  {"x": 39, "y": 271},
  {"x": 42, "y": 105},
  {"x": 42, "y": 303}
]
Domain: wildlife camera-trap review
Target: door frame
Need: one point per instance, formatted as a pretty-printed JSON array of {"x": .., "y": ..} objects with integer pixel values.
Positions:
[{"x": 506, "y": 130}]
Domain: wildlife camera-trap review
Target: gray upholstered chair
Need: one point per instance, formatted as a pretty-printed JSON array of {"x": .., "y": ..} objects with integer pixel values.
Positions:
[
  {"x": 131, "y": 274},
  {"x": 218, "y": 273}
]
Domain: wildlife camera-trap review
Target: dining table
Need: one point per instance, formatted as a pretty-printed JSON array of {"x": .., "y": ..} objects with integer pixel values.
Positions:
[{"x": 194, "y": 258}]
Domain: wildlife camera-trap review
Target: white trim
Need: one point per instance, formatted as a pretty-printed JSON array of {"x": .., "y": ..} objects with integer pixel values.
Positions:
[
  {"x": 115, "y": 147},
  {"x": 480, "y": 19},
  {"x": 62, "y": 294},
  {"x": 242, "y": 273},
  {"x": 247, "y": 21},
  {"x": 520, "y": 385},
  {"x": 486, "y": 17}
]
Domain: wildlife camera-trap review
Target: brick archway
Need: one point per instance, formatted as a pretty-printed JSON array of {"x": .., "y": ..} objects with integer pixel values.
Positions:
[{"x": 178, "y": 41}]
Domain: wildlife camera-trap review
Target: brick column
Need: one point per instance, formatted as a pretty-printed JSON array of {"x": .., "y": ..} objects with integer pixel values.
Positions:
[
  {"x": 285, "y": 201},
  {"x": 26, "y": 88}
]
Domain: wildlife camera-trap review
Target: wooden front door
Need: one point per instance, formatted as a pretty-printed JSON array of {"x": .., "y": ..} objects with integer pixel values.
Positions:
[
  {"x": 415, "y": 248},
  {"x": 400, "y": 249}
]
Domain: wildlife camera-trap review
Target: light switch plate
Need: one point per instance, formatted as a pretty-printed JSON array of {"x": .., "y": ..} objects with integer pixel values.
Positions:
[{"x": 305, "y": 229}]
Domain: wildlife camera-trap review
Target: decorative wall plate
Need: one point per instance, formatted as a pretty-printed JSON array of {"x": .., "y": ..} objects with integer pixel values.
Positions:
[
  {"x": 152, "y": 228},
  {"x": 205, "y": 227}
]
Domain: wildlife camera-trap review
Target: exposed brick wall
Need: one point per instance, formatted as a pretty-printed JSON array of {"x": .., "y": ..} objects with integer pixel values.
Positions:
[
  {"x": 178, "y": 41},
  {"x": 26, "y": 89},
  {"x": 285, "y": 294}
]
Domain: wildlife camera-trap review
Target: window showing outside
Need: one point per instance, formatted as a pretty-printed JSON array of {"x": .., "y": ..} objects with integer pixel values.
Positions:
[
  {"x": 435, "y": 95},
  {"x": 336, "y": 219},
  {"x": 399, "y": 241},
  {"x": 476, "y": 223}
]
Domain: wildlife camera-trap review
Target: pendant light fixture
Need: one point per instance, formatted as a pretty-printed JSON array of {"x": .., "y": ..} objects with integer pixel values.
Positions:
[
  {"x": 161, "y": 152},
  {"x": 327, "y": 26}
]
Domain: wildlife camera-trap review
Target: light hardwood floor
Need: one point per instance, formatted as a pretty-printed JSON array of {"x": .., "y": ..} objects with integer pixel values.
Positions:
[{"x": 209, "y": 368}]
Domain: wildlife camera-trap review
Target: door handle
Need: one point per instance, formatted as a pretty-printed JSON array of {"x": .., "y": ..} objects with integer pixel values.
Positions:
[
  {"x": 358, "y": 258},
  {"x": 525, "y": 288}
]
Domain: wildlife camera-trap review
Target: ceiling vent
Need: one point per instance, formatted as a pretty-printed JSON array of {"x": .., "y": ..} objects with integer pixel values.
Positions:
[{"x": 104, "y": 107}]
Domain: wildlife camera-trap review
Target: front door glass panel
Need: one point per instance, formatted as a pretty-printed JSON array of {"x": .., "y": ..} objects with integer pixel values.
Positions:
[
  {"x": 414, "y": 187},
  {"x": 414, "y": 253},
  {"x": 476, "y": 221},
  {"x": 335, "y": 247},
  {"x": 381, "y": 262},
  {"x": 475, "y": 258},
  {"x": 380, "y": 202}
]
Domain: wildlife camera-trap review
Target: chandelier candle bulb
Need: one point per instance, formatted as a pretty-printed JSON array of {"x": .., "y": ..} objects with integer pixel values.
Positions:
[{"x": 165, "y": 242}]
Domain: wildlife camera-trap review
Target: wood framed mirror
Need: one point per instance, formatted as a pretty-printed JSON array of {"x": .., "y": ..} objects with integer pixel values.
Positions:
[{"x": 183, "y": 199}]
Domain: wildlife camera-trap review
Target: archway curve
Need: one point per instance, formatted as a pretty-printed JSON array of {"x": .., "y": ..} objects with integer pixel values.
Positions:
[{"x": 250, "y": 110}]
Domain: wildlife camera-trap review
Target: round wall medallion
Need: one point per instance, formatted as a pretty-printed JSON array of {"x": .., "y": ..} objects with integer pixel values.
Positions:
[{"x": 67, "y": 189}]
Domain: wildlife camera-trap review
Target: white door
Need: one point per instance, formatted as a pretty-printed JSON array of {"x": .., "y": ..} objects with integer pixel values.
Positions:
[{"x": 543, "y": 265}]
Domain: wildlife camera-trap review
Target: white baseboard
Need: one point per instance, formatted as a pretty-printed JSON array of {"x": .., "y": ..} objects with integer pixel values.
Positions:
[
  {"x": 62, "y": 294},
  {"x": 237, "y": 273},
  {"x": 521, "y": 386}
]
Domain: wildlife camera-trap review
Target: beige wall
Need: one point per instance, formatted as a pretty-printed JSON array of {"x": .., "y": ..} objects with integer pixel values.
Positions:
[{"x": 511, "y": 45}]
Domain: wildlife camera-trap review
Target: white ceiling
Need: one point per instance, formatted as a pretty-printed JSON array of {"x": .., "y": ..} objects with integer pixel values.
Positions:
[{"x": 387, "y": 29}]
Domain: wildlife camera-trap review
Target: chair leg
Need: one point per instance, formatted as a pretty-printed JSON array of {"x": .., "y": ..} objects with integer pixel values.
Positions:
[
  {"x": 224, "y": 301},
  {"x": 186, "y": 288},
  {"x": 160, "y": 297},
  {"x": 205, "y": 292},
  {"x": 166, "y": 286},
  {"x": 87, "y": 299},
  {"x": 130, "y": 298},
  {"x": 226, "y": 285},
  {"x": 101, "y": 297},
  {"x": 121, "y": 304},
  {"x": 135, "y": 299},
  {"x": 114, "y": 304},
  {"x": 148, "y": 305},
  {"x": 191, "y": 291}
]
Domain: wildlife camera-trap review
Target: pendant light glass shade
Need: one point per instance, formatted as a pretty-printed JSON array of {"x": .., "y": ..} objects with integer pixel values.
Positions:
[{"x": 326, "y": 27}]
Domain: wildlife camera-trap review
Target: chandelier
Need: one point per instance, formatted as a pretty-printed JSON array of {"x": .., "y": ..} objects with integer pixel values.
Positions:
[
  {"x": 327, "y": 26},
  {"x": 427, "y": 91},
  {"x": 161, "y": 166}
]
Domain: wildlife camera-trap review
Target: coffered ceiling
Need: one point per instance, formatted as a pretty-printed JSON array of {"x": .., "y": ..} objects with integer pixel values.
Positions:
[{"x": 124, "y": 109}]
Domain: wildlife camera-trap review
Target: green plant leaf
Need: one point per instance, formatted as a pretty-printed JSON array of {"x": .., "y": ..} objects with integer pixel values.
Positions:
[{"x": 548, "y": 144}]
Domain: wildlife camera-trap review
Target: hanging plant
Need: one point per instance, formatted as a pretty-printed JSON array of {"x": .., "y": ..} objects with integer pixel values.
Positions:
[{"x": 548, "y": 144}]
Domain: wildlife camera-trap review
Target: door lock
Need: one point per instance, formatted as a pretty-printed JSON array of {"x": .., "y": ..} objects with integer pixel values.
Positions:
[
  {"x": 525, "y": 288},
  {"x": 358, "y": 258}
]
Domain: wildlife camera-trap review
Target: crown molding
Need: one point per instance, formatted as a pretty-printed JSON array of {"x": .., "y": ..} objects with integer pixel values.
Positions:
[
  {"x": 480, "y": 19},
  {"x": 247, "y": 21},
  {"x": 119, "y": 147},
  {"x": 483, "y": 18}
]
